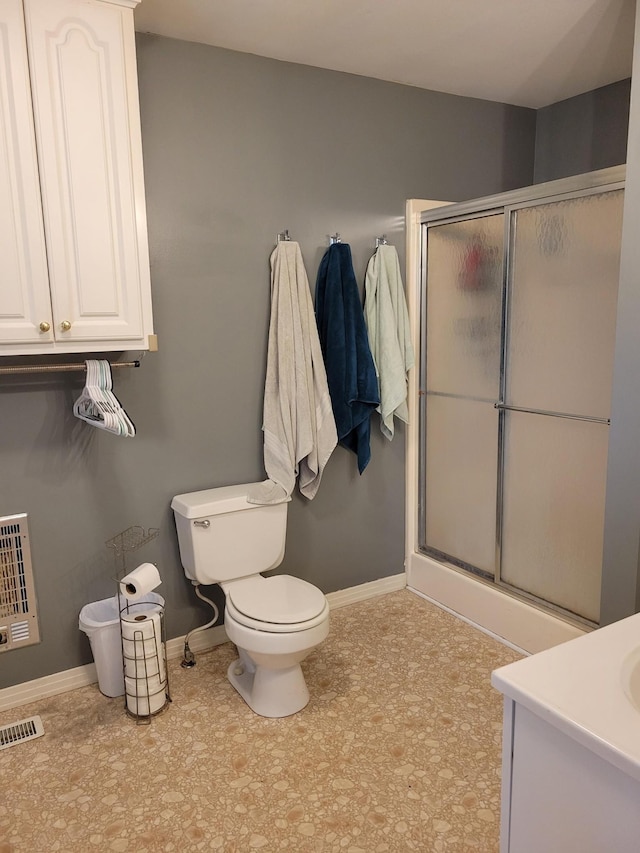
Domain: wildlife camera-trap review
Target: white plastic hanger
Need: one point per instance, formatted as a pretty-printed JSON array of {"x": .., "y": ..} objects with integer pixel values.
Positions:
[
  {"x": 105, "y": 388},
  {"x": 98, "y": 405}
]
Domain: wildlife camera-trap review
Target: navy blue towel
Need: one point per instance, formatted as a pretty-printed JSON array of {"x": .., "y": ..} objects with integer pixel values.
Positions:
[{"x": 351, "y": 373}]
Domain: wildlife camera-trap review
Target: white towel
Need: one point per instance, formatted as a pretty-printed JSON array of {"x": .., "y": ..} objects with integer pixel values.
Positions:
[
  {"x": 299, "y": 428},
  {"x": 385, "y": 312}
]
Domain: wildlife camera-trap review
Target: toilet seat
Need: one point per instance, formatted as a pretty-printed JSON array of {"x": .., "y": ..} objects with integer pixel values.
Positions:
[{"x": 279, "y": 604}]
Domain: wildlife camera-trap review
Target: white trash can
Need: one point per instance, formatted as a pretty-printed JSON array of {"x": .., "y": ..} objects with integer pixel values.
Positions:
[{"x": 100, "y": 621}]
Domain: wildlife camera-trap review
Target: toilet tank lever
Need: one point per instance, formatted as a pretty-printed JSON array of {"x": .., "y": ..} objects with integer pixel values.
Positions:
[{"x": 205, "y": 523}]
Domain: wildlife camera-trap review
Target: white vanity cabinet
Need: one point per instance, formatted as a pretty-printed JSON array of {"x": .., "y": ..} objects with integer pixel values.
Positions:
[
  {"x": 74, "y": 260},
  {"x": 571, "y": 747}
]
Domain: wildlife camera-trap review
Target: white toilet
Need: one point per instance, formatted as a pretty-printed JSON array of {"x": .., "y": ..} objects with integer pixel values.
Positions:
[{"x": 275, "y": 622}]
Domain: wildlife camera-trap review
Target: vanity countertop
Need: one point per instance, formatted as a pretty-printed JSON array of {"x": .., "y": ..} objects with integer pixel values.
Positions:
[{"x": 578, "y": 687}]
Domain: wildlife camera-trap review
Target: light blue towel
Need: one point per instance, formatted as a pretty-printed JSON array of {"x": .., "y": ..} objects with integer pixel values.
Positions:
[{"x": 387, "y": 319}]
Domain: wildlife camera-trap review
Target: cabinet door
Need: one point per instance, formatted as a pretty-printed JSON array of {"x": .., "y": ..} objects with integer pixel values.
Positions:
[
  {"x": 566, "y": 798},
  {"x": 83, "y": 79},
  {"x": 24, "y": 283}
]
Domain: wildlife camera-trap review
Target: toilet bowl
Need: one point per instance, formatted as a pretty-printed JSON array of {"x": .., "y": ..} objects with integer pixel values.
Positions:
[
  {"x": 267, "y": 673},
  {"x": 275, "y": 621}
]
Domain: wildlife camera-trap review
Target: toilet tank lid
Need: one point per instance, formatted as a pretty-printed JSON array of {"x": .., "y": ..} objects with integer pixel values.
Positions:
[{"x": 213, "y": 501}]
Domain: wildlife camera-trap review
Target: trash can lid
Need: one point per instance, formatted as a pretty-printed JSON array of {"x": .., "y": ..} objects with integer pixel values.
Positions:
[{"x": 101, "y": 614}]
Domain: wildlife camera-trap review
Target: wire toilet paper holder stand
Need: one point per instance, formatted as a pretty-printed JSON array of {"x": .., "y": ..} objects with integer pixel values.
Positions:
[{"x": 146, "y": 676}]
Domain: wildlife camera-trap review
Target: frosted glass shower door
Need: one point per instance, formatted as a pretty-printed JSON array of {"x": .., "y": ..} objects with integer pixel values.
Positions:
[
  {"x": 562, "y": 297},
  {"x": 463, "y": 311}
]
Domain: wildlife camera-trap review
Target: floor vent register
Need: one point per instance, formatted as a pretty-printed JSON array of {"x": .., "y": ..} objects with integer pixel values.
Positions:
[{"x": 16, "y": 733}]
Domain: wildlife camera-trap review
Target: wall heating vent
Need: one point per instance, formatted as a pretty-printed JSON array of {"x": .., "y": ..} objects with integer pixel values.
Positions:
[
  {"x": 22, "y": 730},
  {"x": 18, "y": 616}
]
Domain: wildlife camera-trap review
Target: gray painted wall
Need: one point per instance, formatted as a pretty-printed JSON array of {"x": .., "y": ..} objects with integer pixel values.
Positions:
[
  {"x": 583, "y": 133},
  {"x": 236, "y": 149}
]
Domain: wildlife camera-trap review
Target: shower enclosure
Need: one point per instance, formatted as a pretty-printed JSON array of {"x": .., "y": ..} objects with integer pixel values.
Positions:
[{"x": 517, "y": 322}]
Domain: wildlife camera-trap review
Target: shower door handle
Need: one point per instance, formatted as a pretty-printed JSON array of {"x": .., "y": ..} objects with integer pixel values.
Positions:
[{"x": 505, "y": 408}]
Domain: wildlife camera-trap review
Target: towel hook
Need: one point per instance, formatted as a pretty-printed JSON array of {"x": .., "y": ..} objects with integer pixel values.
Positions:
[
  {"x": 283, "y": 236},
  {"x": 335, "y": 238},
  {"x": 382, "y": 241}
]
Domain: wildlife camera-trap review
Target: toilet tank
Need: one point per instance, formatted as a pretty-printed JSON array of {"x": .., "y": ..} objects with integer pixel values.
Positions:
[{"x": 239, "y": 539}]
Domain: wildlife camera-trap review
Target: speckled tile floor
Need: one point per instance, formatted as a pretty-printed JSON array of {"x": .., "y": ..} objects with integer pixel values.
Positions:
[{"x": 398, "y": 750}]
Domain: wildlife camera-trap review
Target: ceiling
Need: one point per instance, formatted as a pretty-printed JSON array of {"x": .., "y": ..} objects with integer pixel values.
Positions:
[{"x": 526, "y": 52}]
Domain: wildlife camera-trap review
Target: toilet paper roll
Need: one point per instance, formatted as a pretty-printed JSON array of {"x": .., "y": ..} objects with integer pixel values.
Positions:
[
  {"x": 144, "y": 688},
  {"x": 137, "y": 667},
  {"x": 140, "y": 581},
  {"x": 141, "y": 698},
  {"x": 142, "y": 644}
]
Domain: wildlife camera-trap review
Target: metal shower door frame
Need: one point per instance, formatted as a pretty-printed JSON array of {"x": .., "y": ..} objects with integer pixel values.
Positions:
[{"x": 507, "y": 204}]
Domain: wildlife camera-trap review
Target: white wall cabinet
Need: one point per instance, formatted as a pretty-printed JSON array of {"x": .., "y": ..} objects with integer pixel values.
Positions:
[{"x": 74, "y": 260}]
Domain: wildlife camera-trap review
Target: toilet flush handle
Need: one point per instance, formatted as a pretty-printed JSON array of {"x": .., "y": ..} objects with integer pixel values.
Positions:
[{"x": 205, "y": 523}]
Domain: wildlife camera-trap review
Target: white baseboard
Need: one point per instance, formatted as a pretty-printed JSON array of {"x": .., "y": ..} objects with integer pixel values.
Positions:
[
  {"x": 50, "y": 685},
  {"x": 200, "y": 642},
  {"x": 81, "y": 676},
  {"x": 342, "y": 597}
]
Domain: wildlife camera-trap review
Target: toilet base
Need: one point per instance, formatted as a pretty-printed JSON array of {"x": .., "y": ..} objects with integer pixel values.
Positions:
[{"x": 269, "y": 692}]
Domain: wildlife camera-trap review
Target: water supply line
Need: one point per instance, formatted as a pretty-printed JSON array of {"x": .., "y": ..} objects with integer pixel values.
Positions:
[{"x": 189, "y": 659}]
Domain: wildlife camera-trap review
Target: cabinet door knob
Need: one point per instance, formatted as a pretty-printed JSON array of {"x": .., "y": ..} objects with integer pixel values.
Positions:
[
  {"x": 65, "y": 325},
  {"x": 44, "y": 326}
]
